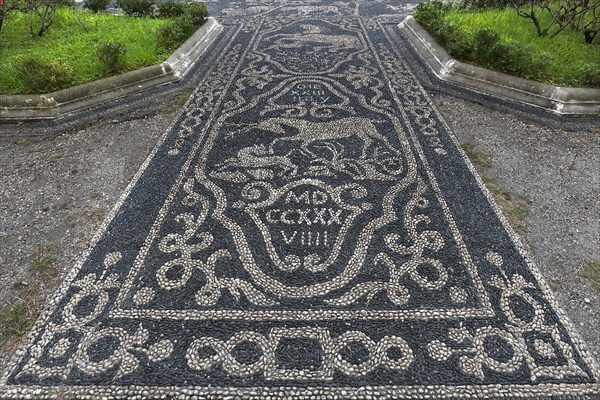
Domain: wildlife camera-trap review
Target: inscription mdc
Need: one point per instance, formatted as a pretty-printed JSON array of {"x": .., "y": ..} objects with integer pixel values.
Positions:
[{"x": 305, "y": 219}]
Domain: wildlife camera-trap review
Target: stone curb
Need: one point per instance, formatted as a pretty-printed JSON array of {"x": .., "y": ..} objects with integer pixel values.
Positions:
[
  {"x": 16, "y": 108},
  {"x": 558, "y": 100},
  {"x": 182, "y": 59}
]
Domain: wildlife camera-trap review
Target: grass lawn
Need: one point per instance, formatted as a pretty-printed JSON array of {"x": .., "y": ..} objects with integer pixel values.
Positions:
[
  {"x": 564, "y": 60},
  {"x": 72, "y": 40}
]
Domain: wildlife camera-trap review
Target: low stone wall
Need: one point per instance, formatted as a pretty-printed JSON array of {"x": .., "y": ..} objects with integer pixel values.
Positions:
[
  {"x": 558, "y": 100},
  {"x": 14, "y": 108}
]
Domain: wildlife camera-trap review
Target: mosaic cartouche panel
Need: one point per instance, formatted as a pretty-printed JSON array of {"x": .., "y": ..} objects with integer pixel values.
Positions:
[
  {"x": 302, "y": 214},
  {"x": 307, "y": 223}
]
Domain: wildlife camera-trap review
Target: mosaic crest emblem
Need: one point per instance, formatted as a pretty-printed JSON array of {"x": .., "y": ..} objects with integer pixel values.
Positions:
[
  {"x": 299, "y": 188},
  {"x": 309, "y": 47}
]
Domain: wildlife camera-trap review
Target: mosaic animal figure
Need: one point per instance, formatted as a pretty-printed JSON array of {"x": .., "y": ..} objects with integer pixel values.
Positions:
[
  {"x": 257, "y": 157},
  {"x": 309, "y": 132},
  {"x": 375, "y": 168},
  {"x": 312, "y": 35}
]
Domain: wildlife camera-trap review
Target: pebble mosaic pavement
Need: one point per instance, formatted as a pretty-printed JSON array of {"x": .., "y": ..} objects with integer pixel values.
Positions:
[{"x": 307, "y": 229}]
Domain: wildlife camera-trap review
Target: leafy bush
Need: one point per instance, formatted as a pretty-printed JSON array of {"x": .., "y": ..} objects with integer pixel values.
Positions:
[
  {"x": 430, "y": 13},
  {"x": 176, "y": 31},
  {"x": 169, "y": 9},
  {"x": 483, "y": 41},
  {"x": 96, "y": 5},
  {"x": 197, "y": 12},
  {"x": 514, "y": 58},
  {"x": 137, "y": 8},
  {"x": 112, "y": 57},
  {"x": 45, "y": 76},
  {"x": 458, "y": 43}
]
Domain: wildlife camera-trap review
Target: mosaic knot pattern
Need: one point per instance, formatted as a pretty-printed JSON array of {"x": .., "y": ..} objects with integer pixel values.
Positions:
[{"x": 308, "y": 227}]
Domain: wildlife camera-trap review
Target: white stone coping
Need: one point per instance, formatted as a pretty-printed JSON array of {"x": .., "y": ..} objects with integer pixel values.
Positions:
[{"x": 559, "y": 100}]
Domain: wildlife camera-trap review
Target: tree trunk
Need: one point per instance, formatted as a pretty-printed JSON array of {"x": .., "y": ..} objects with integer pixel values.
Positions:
[
  {"x": 589, "y": 35},
  {"x": 31, "y": 23},
  {"x": 536, "y": 22},
  {"x": 43, "y": 21}
]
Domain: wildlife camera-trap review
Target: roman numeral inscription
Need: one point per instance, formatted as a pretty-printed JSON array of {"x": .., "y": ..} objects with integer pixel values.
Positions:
[
  {"x": 309, "y": 93},
  {"x": 301, "y": 222},
  {"x": 306, "y": 238},
  {"x": 304, "y": 223}
]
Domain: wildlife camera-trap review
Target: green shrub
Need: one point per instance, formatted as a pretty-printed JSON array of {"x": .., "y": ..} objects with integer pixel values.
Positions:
[
  {"x": 509, "y": 57},
  {"x": 197, "y": 12},
  {"x": 484, "y": 41},
  {"x": 44, "y": 76},
  {"x": 96, "y": 5},
  {"x": 112, "y": 57},
  {"x": 459, "y": 44},
  {"x": 512, "y": 58},
  {"x": 170, "y": 9},
  {"x": 430, "y": 13},
  {"x": 137, "y": 8},
  {"x": 176, "y": 31}
]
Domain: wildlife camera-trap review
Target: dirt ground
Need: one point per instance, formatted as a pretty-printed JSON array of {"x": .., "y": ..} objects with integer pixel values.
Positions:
[{"x": 56, "y": 192}]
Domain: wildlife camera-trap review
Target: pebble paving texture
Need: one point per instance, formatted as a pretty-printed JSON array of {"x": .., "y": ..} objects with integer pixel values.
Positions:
[{"x": 307, "y": 229}]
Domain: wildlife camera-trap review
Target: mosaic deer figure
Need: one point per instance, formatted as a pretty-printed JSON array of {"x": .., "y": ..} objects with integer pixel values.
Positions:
[
  {"x": 258, "y": 157},
  {"x": 309, "y": 132}
]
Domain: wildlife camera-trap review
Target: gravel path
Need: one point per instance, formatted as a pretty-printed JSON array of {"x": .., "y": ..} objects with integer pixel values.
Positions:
[
  {"x": 557, "y": 172},
  {"x": 560, "y": 231},
  {"x": 278, "y": 243}
]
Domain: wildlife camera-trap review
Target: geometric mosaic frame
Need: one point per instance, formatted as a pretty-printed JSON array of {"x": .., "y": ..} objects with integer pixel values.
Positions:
[{"x": 307, "y": 228}]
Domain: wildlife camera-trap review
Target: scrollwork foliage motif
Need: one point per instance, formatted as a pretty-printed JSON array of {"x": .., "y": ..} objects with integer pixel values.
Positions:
[
  {"x": 187, "y": 245},
  {"x": 527, "y": 339},
  {"x": 421, "y": 240},
  {"x": 78, "y": 341}
]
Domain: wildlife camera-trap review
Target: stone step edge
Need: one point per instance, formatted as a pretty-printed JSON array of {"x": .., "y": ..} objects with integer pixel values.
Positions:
[
  {"x": 564, "y": 101},
  {"x": 48, "y": 106}
]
